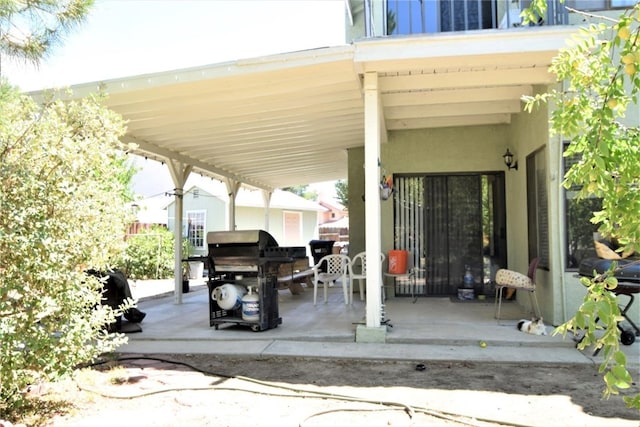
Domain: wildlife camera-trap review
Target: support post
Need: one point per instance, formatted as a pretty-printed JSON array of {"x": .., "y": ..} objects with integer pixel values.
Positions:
[
  {"x": 266, "y": 198},
  {"x": 179, "y": 173},
  {"x": 232, "y": 190},
  {"x": 373, "y": 244}
]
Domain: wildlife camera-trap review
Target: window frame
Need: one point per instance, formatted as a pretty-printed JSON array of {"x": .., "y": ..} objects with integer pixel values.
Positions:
[
  {"x": 196, "y": 235},
  {"x": 589, "y": 251},
  {"x": 538, "y": 207}
]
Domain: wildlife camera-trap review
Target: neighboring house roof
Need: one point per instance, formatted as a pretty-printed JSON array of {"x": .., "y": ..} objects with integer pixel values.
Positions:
[
  {"x": 331, "y": 206},
  {"x": 279, "y": 200},
  {"x": 289, "y": 119},
  {"x": 253, "y": 198}
]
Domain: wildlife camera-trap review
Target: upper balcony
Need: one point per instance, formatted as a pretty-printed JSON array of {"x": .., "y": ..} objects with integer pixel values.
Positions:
[{"x": 377, "y": 18}]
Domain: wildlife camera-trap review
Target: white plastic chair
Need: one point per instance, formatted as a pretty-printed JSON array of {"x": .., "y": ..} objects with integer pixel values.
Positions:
[
  {"x": 359, "y": 272},
  {"x": 336, "y": 267}
]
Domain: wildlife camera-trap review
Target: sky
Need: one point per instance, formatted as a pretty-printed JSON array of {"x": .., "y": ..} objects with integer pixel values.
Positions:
[
  {"x": 123, "y": 38},
  {"x": 130, "y": 37}
]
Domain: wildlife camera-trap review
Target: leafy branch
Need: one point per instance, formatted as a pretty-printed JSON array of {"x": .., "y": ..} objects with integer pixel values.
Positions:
[{"x": 600, "y": 81}]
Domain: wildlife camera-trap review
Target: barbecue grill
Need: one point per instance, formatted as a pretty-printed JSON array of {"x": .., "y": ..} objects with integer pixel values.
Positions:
[
  {"x": 239, "y": 260},
  {"x": 628, "y": 275}
]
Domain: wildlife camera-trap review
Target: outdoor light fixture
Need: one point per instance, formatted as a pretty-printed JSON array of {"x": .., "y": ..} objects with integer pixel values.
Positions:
[{"x": 508, "y": 160}]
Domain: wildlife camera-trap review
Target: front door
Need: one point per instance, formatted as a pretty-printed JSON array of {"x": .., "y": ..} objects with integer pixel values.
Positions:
[{"x": 450, "y": 224}]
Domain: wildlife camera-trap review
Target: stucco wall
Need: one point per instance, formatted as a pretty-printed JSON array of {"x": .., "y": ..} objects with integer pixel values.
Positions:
[
  {"x": 480, "y": 148},
  {"x": 529, "y": 133},
  {"x": 444, "y": 150},
  {"x": 470, "y": 149}
]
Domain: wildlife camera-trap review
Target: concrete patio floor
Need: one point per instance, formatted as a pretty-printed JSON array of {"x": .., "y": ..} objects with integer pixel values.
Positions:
[{"x": 435, "y": 328}]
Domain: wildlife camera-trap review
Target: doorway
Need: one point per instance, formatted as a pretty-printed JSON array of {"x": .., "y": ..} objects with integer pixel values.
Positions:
[{"x": 450, "y": 224}]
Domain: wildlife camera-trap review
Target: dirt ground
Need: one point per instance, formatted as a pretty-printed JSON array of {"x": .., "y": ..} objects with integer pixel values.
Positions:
[{"x": 206, "y": 390}]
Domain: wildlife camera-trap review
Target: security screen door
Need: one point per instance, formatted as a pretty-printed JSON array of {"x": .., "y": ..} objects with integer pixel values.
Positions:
[{"x": 449, "y": 222}]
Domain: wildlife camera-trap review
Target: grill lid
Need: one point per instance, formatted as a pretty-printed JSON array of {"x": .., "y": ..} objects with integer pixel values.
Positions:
[
  {"x": 256, "y": 238},
  {"x": 239, "y": 251}
]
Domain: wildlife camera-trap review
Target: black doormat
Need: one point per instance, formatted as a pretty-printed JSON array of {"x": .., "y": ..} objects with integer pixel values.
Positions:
[{"x": 488, "y": 299}]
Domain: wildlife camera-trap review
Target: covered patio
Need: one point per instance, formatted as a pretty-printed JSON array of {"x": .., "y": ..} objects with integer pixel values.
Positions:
[
  {"x": 445, "y": 323},
  {"x": 291, "y": 119}
]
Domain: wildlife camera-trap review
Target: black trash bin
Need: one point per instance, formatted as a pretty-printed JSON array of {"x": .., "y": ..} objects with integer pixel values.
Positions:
[{"x": 320, "y": 248}]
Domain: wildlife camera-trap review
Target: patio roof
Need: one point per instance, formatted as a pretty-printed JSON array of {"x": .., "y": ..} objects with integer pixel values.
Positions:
[{"x": 289, "y": 119}]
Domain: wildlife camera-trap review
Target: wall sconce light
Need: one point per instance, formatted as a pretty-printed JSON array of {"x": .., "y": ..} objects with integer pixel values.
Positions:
[{"x": 508, "y": 160}]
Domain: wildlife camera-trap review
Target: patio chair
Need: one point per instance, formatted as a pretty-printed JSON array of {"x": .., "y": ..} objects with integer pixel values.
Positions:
[
  {"x": 336, "y": 267},
  {"x": 513, "y": 280},
  {"x": 359, "y": 272}
]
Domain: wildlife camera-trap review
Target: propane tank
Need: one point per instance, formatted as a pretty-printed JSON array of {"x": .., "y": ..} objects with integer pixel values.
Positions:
[
  {"x": 251, "y": 307},
  {"x": 468, "y": 277},
  {"x": 228, "y": 296}
]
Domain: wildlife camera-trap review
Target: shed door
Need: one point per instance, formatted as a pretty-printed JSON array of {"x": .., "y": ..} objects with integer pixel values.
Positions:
[{"x": 292, "y": 229}]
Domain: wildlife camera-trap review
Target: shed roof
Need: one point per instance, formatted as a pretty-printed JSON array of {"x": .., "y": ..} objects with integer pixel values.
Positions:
[{"x": 253, "y": 198}]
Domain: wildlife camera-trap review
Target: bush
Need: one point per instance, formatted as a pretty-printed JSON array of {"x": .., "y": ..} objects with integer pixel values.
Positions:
[
  {"x": 149, "y": 254},
  {"x": 62, "y": 200}
]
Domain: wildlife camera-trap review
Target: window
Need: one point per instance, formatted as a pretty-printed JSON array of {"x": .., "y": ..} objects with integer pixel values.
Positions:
[
  {"x": 196, "y": 222},
  {"x": 538, "y": 207},
  {"x": 579, "y": 229},
  {"x": 623, "y": 3},
  {"x": 600, "y": 4},
  {"x": 418, "y": 16}
]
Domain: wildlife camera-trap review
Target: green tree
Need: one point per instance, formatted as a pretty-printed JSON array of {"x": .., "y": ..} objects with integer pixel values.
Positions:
[
  {"x": 29, "y": 29},
  {"x": 601, "y": 82},
  {"x": 302, "y": 191},
  {"x": 342, "y": 192},
  {"x": 62, "y": 200}
]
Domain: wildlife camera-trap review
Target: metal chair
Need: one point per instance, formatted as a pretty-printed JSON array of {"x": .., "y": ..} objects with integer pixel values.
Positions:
[
  {"x": 329, "y": 269},
  {"x": 358, "y": 272},
  {"x": 513, "y": 280}
]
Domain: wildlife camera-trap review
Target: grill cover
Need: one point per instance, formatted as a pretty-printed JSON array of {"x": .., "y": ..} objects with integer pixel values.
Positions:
[{"x": 628, "y": 271}]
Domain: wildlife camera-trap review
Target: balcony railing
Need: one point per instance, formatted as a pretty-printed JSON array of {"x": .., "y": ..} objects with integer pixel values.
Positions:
[{"x": 402, "y": 17}]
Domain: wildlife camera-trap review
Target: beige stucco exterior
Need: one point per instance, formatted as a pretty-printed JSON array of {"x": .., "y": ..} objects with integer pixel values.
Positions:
[{"x": 480, "y": 149}]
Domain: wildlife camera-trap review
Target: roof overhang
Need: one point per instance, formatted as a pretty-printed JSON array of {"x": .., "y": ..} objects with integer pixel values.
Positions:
[{"x": 289, "y": 119}]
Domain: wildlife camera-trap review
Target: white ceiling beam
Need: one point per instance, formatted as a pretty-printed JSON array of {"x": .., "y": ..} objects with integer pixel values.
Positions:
[
  {"x": 434, "y": 64},
  {"x": 144, "y": 148},
  {"x": 450, "y": 80},
  {"x": 460, "y": 109},
  {"x": 430, "y": 97},
  {"x": 438, "y": 122}
]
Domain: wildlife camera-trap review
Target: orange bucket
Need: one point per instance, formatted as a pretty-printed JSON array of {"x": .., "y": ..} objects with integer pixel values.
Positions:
[{"x": 398, "y": 262}]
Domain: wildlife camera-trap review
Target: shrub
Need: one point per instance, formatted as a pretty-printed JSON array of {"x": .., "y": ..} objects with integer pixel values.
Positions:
[
  {"x": 149, "y": 254},
  {"x": 62, "y": 200}
]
